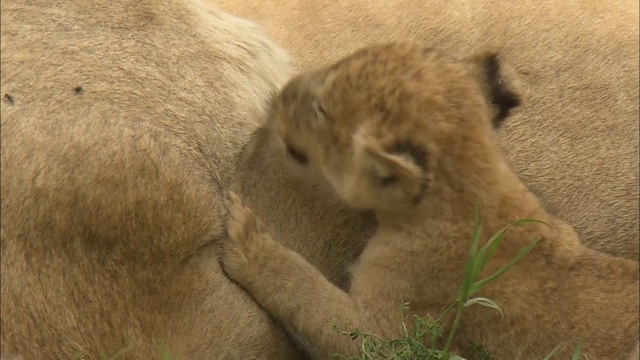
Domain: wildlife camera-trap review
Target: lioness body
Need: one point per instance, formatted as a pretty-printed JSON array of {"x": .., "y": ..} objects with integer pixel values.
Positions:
[
  {"x": 575, "y": 141},
  {"x": 121, "y": 125},
  {"x": 408, "y": 133}
]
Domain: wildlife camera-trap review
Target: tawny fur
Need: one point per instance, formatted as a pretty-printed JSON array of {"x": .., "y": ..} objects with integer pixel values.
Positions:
[
  {"x": 635, "y": 354},
  {"x": 574, "y": 142},
  {"x": 121, "y": 126},
  {"x": 111, "y": 208},
  {"x": 50, "y": 48},
  {"x": 412, "y": 127}
]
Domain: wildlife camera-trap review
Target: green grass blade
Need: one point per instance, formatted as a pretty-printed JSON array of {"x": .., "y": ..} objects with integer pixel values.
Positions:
[
  {"x": 493, "y": 243},
  {"x": 468, "y": 280},
  {"x": 528, "y": 221},
  {"x": 484, "y": 302},
  {"x": 120, "y": 353},
  {"x": 480, "y": 284},
  {"x": 486, "y": 252},
  {"x": 491, "y": 247},
  {"x": 576, "y": 354},
  {"x": 553, "y": 352},
  {"x": 477, "y": 230}
]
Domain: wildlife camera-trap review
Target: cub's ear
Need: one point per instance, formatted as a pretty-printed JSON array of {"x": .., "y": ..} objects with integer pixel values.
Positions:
[
  {"x": 399, "y": 175},
  {"x": 500, "y": 81}
]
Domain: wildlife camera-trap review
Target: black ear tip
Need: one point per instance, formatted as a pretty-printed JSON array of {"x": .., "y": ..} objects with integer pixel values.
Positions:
[{"x": 503, "y": 94}]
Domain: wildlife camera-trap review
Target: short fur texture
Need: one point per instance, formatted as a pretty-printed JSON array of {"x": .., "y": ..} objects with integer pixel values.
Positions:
[
  {"x": 122, "y": 122},
  {"x": 574, "y": 142},
  {"x": 635, "y": 354},
  {"x": 52, "y": 48},
  {"x": 409, "y": 134}
]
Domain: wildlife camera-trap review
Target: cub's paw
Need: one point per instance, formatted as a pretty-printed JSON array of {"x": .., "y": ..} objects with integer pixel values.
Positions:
[{"x": 247, "y": 241}]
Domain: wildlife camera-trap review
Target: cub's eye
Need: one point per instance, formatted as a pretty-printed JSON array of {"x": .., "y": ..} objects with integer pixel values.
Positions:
[{"x": 297, "y": 156}]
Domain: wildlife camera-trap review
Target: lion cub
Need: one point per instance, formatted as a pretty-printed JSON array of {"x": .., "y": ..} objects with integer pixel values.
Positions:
[{"x": 409, "y": 134}]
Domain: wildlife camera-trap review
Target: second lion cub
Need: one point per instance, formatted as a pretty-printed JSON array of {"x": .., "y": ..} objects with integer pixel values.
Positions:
[{"x": 408, "y": 133}]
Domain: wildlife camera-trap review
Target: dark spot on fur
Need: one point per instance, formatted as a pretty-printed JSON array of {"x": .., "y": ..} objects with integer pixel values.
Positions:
[
  {"x": 382, "y": 109},
  {"x": 500, "y": 95},
  {"x": 420, "y": 156},
  {"x": 420, "y": 195},
  {"x": 428, "y": 51},
  {"x": 418, "y": 153},
  {"x": 320, "y": 110},
  {"x": 78, "y": 90},
  {"x": 10, "y": 99},
  {"x": 388, "y": 180},
  {"x": 296, "y": 155}
]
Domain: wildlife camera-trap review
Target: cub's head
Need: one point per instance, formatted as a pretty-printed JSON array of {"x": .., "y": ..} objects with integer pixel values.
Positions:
[{"x": 376, "y": 124}]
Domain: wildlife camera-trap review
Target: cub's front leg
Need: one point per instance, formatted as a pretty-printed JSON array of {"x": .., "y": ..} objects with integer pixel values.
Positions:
[{"x": 288, "y": 287}]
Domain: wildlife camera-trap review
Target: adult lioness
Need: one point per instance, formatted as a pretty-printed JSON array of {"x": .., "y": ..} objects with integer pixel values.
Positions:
[
  {"x": 121, "y": 125},
  {"x": 575, "y": 141}
]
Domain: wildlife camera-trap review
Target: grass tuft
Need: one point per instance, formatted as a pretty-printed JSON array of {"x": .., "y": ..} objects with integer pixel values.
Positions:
[{"x": 422, "y": 343}]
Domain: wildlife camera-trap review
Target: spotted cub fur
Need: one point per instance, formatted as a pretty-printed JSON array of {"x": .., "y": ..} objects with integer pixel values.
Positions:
[{"x": 409, "y": 133}]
